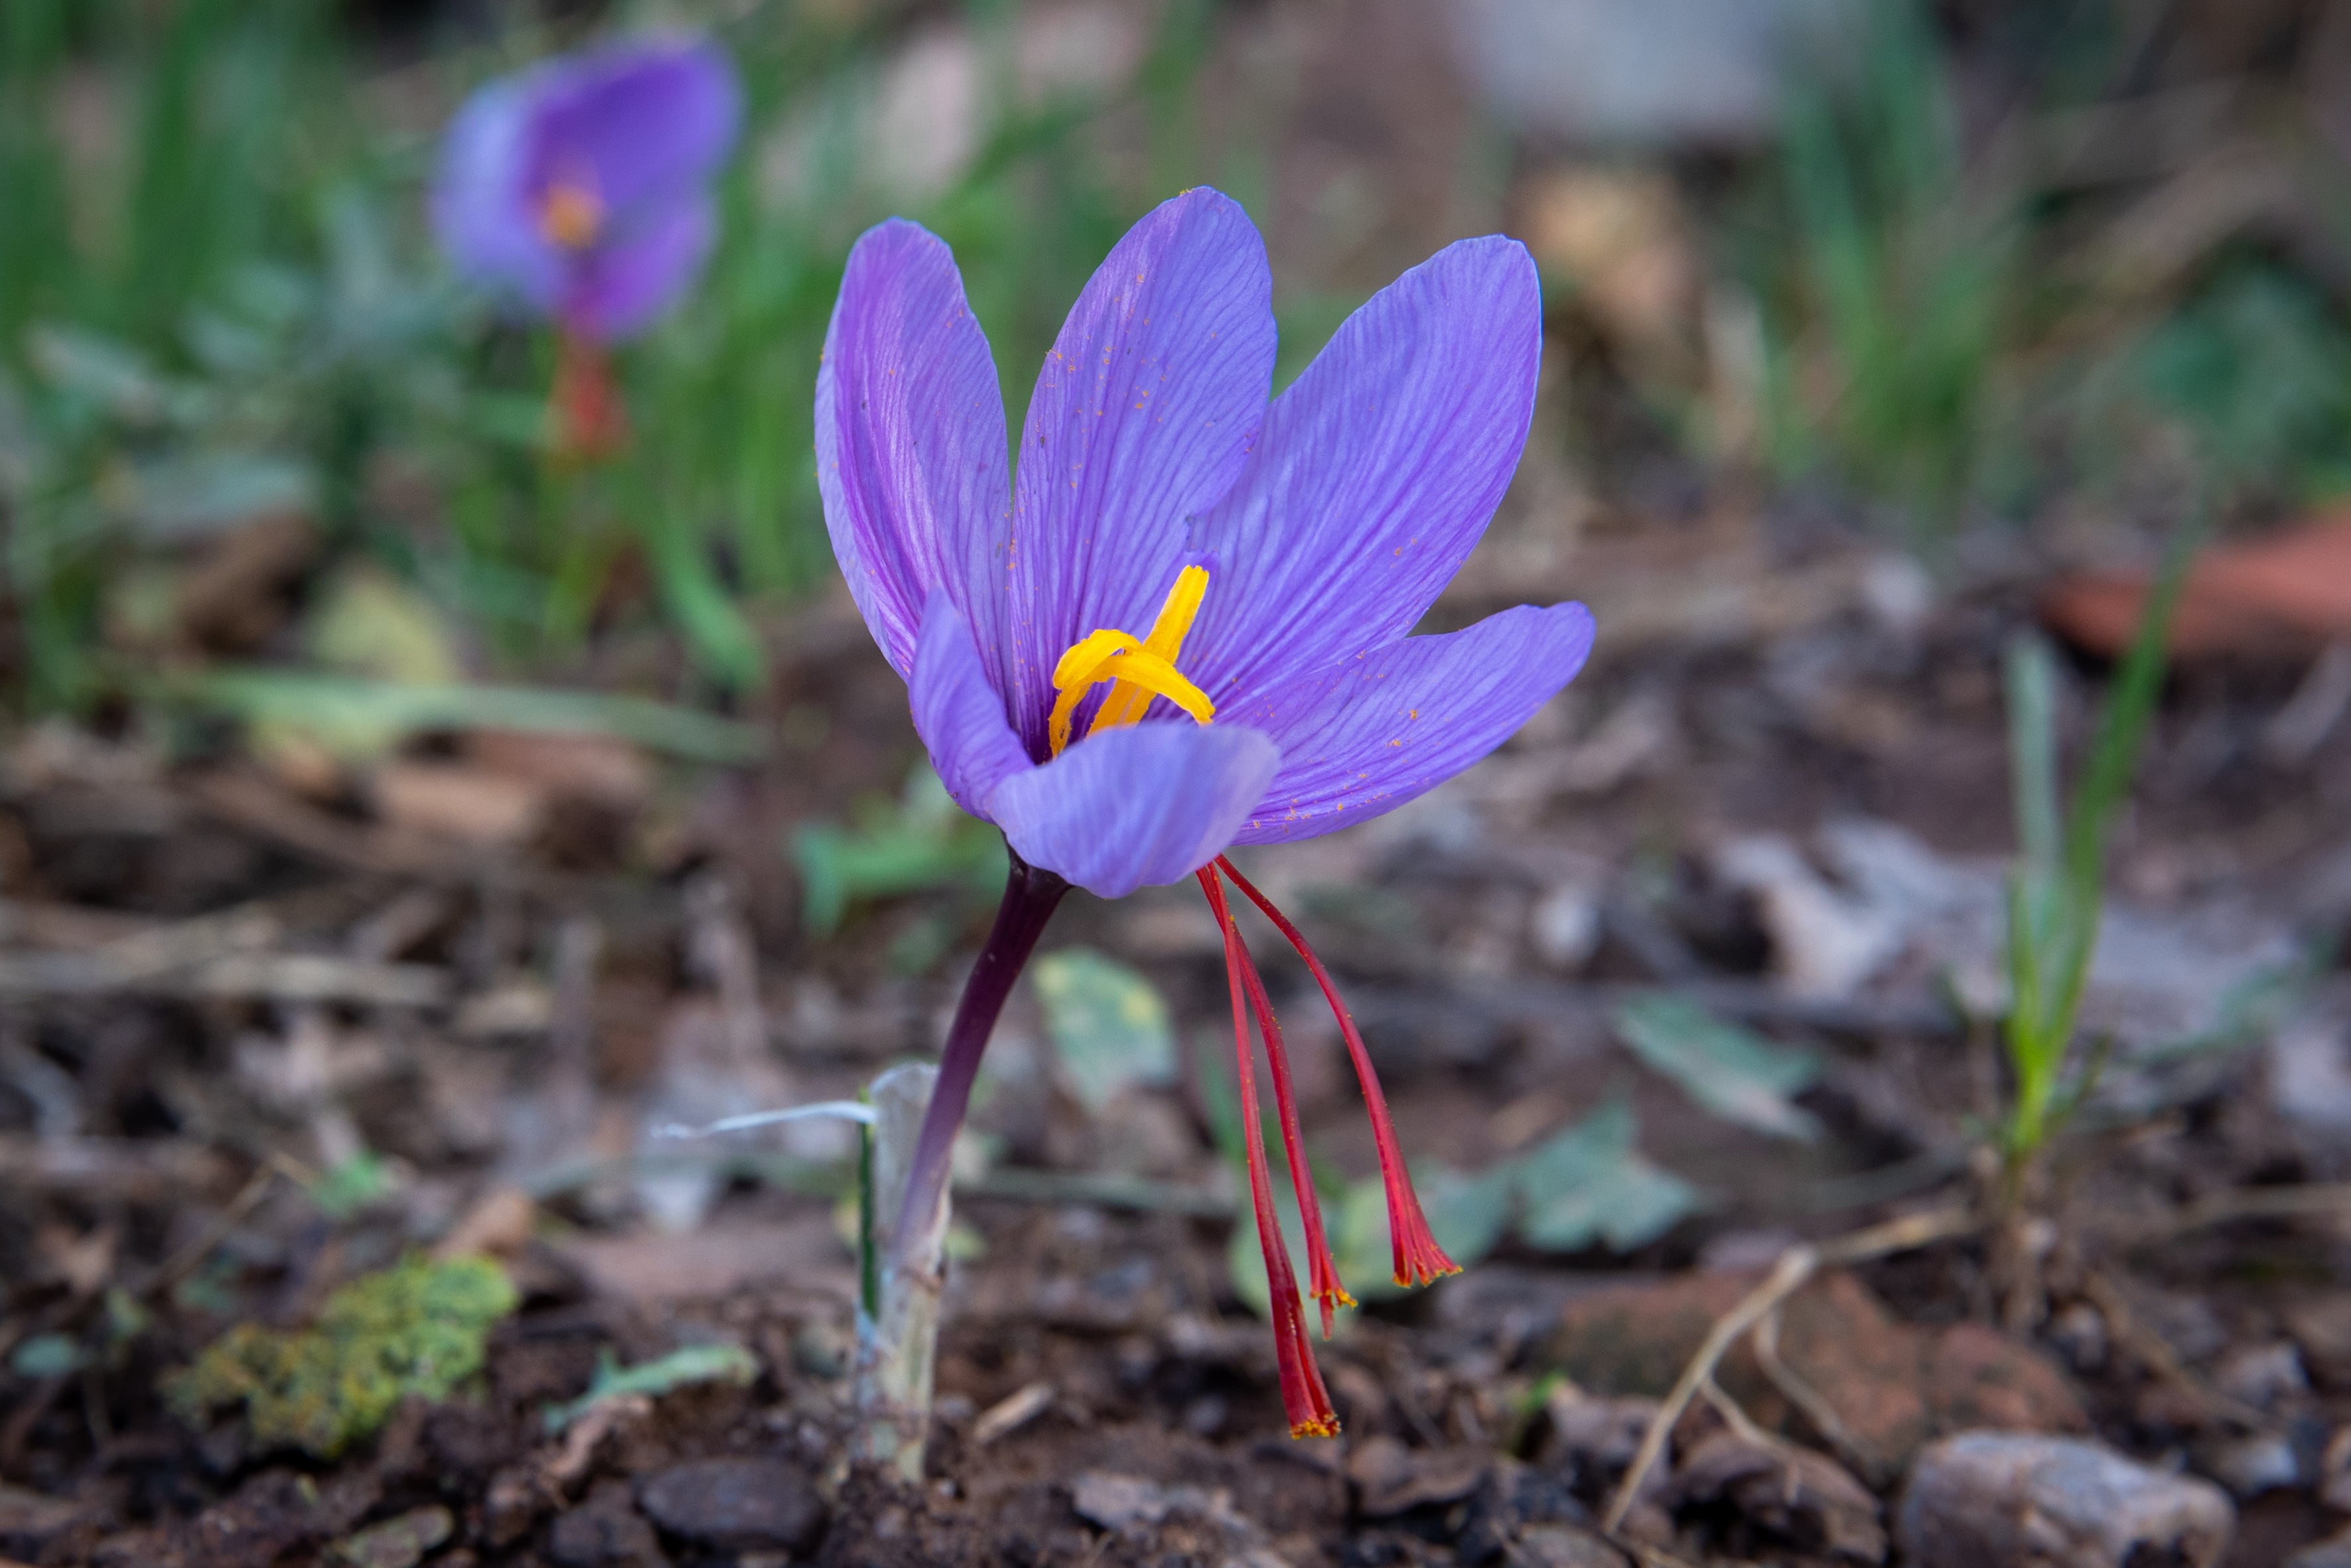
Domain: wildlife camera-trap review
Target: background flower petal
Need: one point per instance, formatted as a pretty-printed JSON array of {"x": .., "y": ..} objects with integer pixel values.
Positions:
[
  {"x": 1376, "y": 472},
  {"x": 910, "y": 442},
  {"x": 637, "y": 122},
  {"x": 478, "y": 206},
  {"x": 1364, "y": 737},
  {"x": 1138, "y": 807},
  {"x": 617, "y": 288},
  {"x": 1143, "y": 416},
  {"x": 958, "y": 712}
]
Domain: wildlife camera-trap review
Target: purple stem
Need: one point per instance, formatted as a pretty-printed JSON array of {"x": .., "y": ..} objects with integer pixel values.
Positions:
[{"x": 1031, "y": 895}]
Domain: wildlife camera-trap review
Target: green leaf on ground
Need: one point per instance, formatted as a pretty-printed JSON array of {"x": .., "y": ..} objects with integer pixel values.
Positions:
[
  {"x": 1591, "y": 1183},
  {"x": 337, "y": 704},
  {"x": 680, "y": 1368},
  {"x": 1733, "y": 1073},
  {"x": 922, "y": 840},
  {"x": 1109, "y": 1026}
]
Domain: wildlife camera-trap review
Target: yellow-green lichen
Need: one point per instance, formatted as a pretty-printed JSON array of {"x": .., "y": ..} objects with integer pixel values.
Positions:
[{"x": 416, "y": 1328}]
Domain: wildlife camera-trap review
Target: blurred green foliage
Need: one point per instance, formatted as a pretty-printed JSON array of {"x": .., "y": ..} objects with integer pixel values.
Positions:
[{"x": 218, "y": 299}]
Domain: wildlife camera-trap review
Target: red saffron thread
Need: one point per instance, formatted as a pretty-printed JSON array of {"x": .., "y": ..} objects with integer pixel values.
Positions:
[
  {"x": 1418, "y": 1259},
  {"x": 1303, "y": 1396}
]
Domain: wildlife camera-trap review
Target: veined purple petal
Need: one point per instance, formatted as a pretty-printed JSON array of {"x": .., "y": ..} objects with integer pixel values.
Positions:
[
  {"x": 1143, "y": 416},
  {"x": 619, "y": 286},
  {"x": 1137, "y": 807},
  {"x": 1365, "y": 736},
  {"x": 635, "y": 121},
  {"x": 958, "y": 714},
  {"x": 1376, "y": 473},
  {"x": 476, "y": 198},
  {"x": 910, "y": 443}
]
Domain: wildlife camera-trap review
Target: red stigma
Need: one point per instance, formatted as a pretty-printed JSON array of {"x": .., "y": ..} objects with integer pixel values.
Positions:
[
  {"x": 1303, "y": 1396},
  {"x": 1418, "y": 1259}
]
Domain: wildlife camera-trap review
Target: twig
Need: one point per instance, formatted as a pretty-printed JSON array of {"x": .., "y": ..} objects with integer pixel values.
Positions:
[
  {"x": 1797, "y": 1265},
  {"x": 1808, "y": 1399}
]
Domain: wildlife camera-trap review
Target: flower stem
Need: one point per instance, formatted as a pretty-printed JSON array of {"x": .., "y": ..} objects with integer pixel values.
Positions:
[
  {"x": 898, "y": 1329},
  {"x": 1031, "y": 895}
]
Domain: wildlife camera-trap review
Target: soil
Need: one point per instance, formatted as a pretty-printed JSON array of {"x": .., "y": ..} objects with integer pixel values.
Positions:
[{"x": 511, "y": 1014}]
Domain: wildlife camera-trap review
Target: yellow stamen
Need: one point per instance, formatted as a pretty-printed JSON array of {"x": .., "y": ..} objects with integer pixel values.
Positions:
[
  {"x": 1128, "y": 700},
  {"x": 570, "y": 216},
  {"x": 1137, "y": 669}
]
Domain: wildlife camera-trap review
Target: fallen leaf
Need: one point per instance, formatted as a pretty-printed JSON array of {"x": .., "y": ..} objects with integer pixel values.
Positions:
[
  {"x": 2287, "y": 592},
  {"x": 1733, "y": 1073}
]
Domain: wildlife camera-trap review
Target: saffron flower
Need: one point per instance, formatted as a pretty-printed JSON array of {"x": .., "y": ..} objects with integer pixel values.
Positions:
[
  {"x": 1183, "y": 625},
  {"x": 580, "y": 189}
]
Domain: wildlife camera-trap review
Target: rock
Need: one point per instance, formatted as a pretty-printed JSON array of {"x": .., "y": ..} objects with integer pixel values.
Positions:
[
  {"x": 605, "y": 1531},
  {"x": 1997, "y": 1499},
  {"x": 1894, "y": 1385},
  {"x": 2261, "y": 1376},
  {"x": 398, "y": 1542},
  {"x": 737, "y": 1504},
  {"x": 1791, "y": 1495},
  {"x": 1390, "y": 1479},
  {"x": 2253, "y": 1464}
]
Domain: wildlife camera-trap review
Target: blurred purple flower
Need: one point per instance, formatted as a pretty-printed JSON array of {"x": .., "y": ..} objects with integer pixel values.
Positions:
[
  {"x": 580, "y": 186},
  {"x": 1277, "y": 553}
]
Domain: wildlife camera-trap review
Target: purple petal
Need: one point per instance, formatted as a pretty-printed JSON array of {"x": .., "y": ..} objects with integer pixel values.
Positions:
[
  {"x": 910, "y": 443},
  {"x": 1376, "y": 473},
  {"x": 1143, "y": 416},
  {"x": 958, "y": 714},
  {"x": 636, "y": 121},
  {"x": 477, "y": 204},
  {"x": 1136, "y": 807},
  {"x": 1366, "y": 736},
  {"x": 619, "y": 286}
]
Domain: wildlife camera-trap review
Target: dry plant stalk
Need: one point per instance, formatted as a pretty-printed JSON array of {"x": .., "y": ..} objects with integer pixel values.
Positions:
[{"x": 904, "y": 1273}]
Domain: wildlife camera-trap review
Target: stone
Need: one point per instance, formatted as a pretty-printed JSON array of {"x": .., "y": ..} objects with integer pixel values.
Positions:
[
  {"x": 605, "y": 1531},
  {"x": 737, "y": 1504},
  {"x": 1787, "y": 1494},
  {"x": 398, "y": 1543},
  {"x": 1390, "y": 1479},
  {"x": 2001, "y": 1499},
  {"x": 1892, "y": 1384}
]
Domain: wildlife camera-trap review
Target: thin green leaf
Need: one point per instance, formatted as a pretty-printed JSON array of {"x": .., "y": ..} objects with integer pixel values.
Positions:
[{"x": 295, "y": 697}]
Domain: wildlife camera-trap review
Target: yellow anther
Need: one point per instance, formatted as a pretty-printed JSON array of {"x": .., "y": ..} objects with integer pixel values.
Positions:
[
  {"x": 1127, "y": 700},
  {"x": 1136, "y": 669},
  {"x": 570, "y": 216}
]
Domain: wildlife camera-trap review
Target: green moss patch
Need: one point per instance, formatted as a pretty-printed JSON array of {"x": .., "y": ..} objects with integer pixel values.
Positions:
[{"x": 416, "y": 1328}]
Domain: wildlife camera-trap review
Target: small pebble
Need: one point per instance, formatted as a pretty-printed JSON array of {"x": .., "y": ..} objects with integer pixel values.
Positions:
[
  {"x": 735, "y": 1504},
  {"x": 1999, "y": 1499}
]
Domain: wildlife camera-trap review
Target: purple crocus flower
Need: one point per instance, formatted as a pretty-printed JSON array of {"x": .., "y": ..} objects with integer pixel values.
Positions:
[
  {"x": 580, "y": 186},
  {"x": 1184, "y": 624}
]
